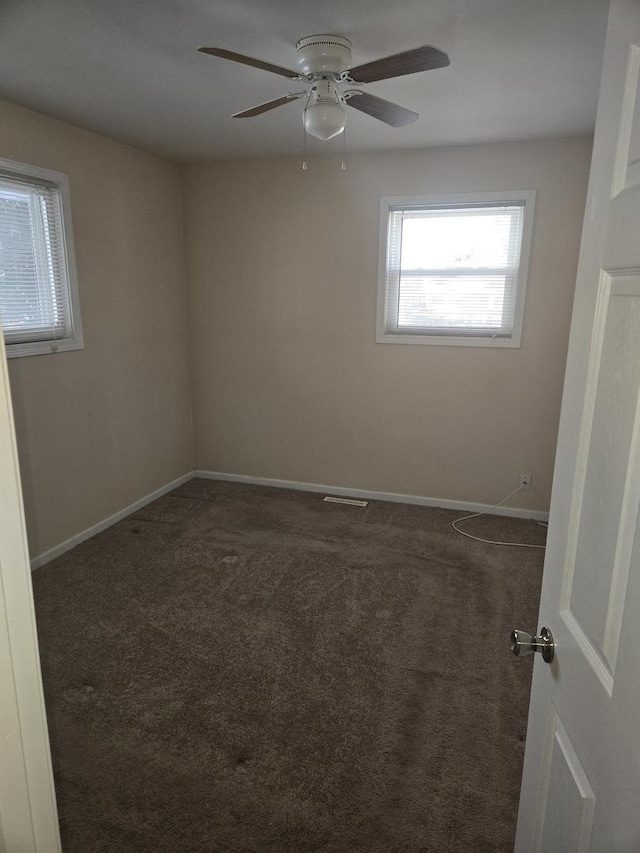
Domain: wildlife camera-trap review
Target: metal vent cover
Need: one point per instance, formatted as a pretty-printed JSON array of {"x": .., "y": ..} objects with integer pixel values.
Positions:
[{"x": 351, "y": 501}]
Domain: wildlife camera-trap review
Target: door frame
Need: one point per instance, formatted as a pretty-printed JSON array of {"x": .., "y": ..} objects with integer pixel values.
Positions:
[{"x": 28, "y": 811}]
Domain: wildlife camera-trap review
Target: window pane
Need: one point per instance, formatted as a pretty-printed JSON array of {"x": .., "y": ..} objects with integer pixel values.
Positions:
[
  {"x": 454, "y": 268},
  {"x": 454, "y": 239},
  {"x": 33, "y": 289},
  {"x": 18, "y": 273},
  {"x": 474, "y": 302}
]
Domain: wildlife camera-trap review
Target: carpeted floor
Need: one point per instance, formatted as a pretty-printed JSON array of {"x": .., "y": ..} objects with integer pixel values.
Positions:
[{"x": 238, "y": 669}]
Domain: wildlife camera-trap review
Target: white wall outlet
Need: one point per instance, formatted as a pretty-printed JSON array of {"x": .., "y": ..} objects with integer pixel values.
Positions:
[{"x": 525, "y": 483}]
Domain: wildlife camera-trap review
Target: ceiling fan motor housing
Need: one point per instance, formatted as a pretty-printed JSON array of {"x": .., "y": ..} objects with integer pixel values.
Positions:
[{"x": 323, "y": 54}]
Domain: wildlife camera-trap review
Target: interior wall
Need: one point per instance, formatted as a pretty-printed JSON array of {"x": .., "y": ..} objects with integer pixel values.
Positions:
[
  {"x": 288, "y": 380},
  {"x": 102, "y": 427}
]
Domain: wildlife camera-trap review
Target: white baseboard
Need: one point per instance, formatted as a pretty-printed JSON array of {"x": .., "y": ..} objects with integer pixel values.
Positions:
[
  {"x": 367, "y": 494},
  {"x": 56, "y": 551},
  {"x": 340, "y": 491}
]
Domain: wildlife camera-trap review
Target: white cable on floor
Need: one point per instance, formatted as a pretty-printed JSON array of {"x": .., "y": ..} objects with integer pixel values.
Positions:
[{"x": 490, "y": 541}]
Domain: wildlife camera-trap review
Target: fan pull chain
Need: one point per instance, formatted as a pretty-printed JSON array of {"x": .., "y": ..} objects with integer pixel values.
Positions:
[
  {"x": 343, "y": 165},
  {"x": 305, "y": 165}
]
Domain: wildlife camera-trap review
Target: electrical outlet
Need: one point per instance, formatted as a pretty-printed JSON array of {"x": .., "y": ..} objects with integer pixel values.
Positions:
[{"x": 525, "y": 483}]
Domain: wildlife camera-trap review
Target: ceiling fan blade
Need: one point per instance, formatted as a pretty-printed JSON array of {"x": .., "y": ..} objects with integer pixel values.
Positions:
[
  {"x": 250, "y": 60},
  {"x": 269, "y": 105},
  {"x": 409, "y": 62},
  {"x": 385, "y": 111}
]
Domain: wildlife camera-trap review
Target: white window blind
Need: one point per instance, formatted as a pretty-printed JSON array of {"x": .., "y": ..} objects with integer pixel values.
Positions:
[
  {"x": 36, "y": 299},
  {"x": 453, "y": 269}
]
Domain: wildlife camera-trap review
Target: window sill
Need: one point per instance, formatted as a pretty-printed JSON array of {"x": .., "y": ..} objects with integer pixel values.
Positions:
[
  {"x": 42, "y": 347},
  {"x": 447, "y": 340}
]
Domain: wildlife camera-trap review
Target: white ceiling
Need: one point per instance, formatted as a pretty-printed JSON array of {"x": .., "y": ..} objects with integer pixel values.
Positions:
[{"x": 520, "y": 69}]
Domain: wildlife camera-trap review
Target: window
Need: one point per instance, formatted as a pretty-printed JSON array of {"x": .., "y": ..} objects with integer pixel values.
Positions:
[
  {"x": 453, "y": 268},
  {"x": 38, "y": 290}
]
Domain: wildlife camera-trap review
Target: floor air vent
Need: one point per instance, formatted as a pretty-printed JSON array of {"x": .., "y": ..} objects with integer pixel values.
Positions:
[{"x": 349, "y": 501}]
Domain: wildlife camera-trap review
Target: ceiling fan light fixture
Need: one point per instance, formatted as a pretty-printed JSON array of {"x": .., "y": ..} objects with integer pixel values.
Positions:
[
  {"x": 325, "y": 120},
  {"x": 325, "y": 115}
]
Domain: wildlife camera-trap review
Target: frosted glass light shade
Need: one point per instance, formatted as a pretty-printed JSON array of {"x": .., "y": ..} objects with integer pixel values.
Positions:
[{"x": 325, "y": 120}]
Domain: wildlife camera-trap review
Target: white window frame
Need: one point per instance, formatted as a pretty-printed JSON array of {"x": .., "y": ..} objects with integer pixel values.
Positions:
[
  {"x": 389, "y": 203},
  {"x": 73, "y": 338}
]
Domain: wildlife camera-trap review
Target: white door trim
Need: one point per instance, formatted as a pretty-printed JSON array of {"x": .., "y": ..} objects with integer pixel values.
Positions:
[{"x": 28, "y": 813}]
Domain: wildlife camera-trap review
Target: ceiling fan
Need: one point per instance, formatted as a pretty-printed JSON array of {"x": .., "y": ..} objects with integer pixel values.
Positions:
[{"x": 324, "y": 61}]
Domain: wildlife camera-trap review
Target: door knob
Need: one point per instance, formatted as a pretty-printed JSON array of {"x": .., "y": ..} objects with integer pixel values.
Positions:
[{"x": 524, "y": 644}]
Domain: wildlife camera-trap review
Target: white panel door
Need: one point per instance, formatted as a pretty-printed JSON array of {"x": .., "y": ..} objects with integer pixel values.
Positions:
[{"x": 581, "y": 781}]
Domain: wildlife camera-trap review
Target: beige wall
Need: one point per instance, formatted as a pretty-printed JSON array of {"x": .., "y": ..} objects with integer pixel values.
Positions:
[
  {"x": 288, "y": 381},
  {"x": 101, "y": 427}
]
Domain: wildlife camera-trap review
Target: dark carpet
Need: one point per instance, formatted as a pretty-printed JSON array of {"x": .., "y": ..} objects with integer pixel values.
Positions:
[{"x": 239, "y": 669}]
